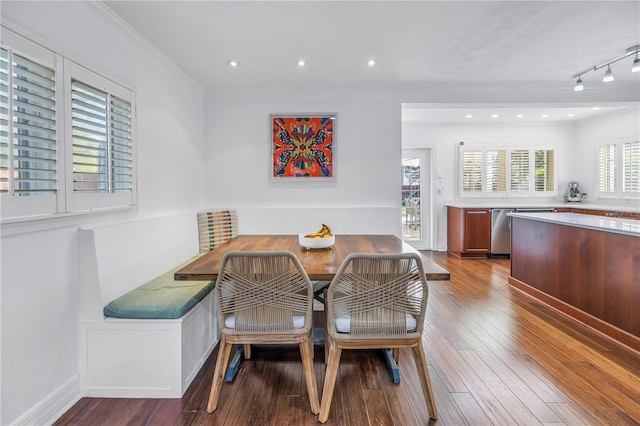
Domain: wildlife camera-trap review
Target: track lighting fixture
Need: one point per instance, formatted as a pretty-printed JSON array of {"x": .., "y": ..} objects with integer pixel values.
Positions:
[{"x": 608, "y": 75}]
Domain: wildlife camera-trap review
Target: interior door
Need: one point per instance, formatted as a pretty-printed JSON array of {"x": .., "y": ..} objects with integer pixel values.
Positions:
[{"x": 416, "y": 200}]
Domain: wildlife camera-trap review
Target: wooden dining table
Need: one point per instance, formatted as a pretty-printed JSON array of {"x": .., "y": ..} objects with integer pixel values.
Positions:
[{"x": 321, "y": 265}]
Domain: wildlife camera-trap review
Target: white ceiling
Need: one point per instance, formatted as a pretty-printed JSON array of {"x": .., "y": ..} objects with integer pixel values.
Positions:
[{"x": 468, "y": 44}]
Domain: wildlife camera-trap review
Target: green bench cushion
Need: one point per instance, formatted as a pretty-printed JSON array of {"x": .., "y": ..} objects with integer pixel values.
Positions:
[{"x": 160, "y": 298}]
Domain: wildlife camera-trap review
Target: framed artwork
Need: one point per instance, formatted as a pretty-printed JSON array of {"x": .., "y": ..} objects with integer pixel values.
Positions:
[{"x": 302, "y": 146}]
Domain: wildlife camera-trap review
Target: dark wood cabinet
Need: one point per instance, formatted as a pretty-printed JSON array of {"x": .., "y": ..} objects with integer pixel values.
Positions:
[
  {"x": 469, "y": 231},
  {"x": 589, "y": 274}
]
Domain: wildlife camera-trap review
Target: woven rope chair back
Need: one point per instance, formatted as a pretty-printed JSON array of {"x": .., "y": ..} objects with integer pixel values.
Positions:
[
  {"x": 264, "y": 292},
  {"x": 378, "y": 295}
]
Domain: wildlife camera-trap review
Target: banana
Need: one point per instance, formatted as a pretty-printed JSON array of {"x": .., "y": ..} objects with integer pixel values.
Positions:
[{"x": 324, "y": 232}]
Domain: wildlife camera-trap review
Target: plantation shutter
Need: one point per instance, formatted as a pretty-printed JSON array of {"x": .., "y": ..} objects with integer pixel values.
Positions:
[
  {"x": 496, "y": 171},
  {"x": 520, "y": 170},
  {"x": 472, "y": 171},
  {"x": 631, "y": 167},
  {"x": 544, "y": 167},
  {"x": 102, "y": 141},
  {"x": 28, "y": 154},
  {"x": 607, "y": 169}
]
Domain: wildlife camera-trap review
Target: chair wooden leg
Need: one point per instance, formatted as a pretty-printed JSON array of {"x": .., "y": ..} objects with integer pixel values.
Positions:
[
  {"x": 310, "y": 343},
  {"x": 309, "y": 374},
  {"x": 327, "y": 343},
  {"x": 224, "y": 351},
  {"x": 425, "y": 382},
  {"x": 247, "y": 351},
  {"x": 329, "y": 380}
]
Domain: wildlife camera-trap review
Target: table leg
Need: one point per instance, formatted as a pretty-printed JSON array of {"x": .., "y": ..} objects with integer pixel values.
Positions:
[
  {"x": 234, "y": 364},
  {"x": 393, "y": 366}
]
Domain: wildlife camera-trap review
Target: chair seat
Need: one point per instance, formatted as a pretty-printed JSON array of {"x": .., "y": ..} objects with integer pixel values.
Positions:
[
  {"x": 343, "y": 323},
  {"x": 298, "y": 321}
]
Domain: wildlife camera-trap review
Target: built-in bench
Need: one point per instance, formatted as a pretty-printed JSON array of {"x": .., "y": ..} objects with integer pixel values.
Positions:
[{"x": 142, "y": 334}]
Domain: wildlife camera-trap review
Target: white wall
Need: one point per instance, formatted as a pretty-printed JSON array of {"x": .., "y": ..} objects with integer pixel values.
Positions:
[
  {"x": 365, "y": 196},
  {"x": 39, "y": 284}
]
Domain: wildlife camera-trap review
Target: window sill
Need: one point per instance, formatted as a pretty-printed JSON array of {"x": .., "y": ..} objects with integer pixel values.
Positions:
[{"x": 26, "y": 224}]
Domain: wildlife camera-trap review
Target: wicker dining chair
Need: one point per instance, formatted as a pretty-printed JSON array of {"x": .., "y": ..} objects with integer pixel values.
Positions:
[
  {"x": 376, "y": 301},
  {"x": 264, "y": 298}
]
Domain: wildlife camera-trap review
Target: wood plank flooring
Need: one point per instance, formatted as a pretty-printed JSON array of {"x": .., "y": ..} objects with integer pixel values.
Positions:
[{"x": 495, "y": 355}]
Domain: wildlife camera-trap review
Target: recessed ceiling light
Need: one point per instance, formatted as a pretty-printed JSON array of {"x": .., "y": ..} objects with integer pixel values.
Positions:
[
  {"x": 495, "y": 116},
  {"x": 595, "y": 108},
  {"x": 468, "y": 116},
  {"x": 301, "y": 63},
  {"x": 545, "y": 115},
  {"x": 571, "y": 115},
  {"x": 371, "y": 62},
  {"x": 519, "y": 115},
  {"x": 233, "y": 64}
]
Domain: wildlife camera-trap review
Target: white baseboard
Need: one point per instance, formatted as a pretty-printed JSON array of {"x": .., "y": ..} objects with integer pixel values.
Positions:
[{"x": 58, "y": 402}]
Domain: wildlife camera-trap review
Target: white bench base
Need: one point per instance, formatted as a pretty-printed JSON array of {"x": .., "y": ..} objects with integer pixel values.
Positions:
[{"x": 131, "y": 358}]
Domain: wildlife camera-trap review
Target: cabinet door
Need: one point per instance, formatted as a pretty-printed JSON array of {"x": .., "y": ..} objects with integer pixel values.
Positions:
[{"x": 477, "y": 230}]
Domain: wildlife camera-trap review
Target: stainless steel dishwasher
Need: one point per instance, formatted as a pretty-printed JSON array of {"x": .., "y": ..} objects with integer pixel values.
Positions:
[{"x": 500, "y": 233}]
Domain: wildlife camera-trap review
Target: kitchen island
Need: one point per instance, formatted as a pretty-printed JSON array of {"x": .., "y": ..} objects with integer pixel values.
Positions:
[{"x": 585, "y": 266}]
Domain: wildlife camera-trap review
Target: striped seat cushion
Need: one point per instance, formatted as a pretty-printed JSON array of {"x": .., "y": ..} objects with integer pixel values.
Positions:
[{"x": 216, "y": 228}]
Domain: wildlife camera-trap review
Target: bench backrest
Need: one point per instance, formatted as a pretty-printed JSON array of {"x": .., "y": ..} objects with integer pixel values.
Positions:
[{"x": 118, "y": 257}]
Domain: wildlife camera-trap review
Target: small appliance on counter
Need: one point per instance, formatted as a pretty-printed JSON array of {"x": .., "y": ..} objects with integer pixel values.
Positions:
[{"x": 573, "y": 194}]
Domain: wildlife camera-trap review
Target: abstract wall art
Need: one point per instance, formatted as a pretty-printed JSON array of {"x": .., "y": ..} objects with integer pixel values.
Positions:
[{"x": 302, "y": 146}]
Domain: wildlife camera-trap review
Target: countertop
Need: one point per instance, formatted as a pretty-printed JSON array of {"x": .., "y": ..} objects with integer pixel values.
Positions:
[
  {"x": 632, "y": 206},
  {"x": 598, "y": 223}
]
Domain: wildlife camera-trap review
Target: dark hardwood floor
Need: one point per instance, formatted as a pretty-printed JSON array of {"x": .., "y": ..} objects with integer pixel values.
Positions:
[{"x": 495, "y": 356}]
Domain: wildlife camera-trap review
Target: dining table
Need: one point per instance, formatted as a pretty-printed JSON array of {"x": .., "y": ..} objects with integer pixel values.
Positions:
[{"x": 321, "y": 265}]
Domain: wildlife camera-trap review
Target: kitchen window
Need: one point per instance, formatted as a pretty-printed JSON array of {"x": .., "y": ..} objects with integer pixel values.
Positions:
[
  {"x": 66, "y": 134},
  {"x": 619, "y": 168},
  {"x": 491, "y": 172}
]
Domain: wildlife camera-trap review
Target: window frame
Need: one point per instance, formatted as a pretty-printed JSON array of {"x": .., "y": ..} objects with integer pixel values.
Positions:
[
  {"x": 508, "y": 191},
  {"x": 619, "y": 164},
  {"x": 65, "y": 202}
]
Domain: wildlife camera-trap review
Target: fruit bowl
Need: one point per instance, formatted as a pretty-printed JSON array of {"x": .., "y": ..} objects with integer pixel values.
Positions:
[{"x": 316, "y": 243}]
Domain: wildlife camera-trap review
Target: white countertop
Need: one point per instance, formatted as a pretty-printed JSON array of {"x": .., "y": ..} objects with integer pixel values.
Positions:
[
  {"x": 633, "y": 206},
  {"x": 598, "y": 223}
]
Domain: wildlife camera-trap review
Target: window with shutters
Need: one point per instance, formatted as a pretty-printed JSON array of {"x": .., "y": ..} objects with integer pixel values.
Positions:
[
  {"x": 492, "y": 172},
  {"x": 497, "y": 171},
  {"x": 520, "y": 170},
  {"x": 544, "y": 170},
  {"x": 102, "y": 157},
  {"x": 619, "y": 168},
  {"x": 607, "y": 176},
  {"x": 28, "y": 140},
  {"x": 66, "y": 134},
  {"x": 631, "y": 168},
  {"x": 472, "y": 171}
]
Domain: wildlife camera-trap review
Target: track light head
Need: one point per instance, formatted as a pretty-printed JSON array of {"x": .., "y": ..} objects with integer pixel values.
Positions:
[
  {"x": 636, "y": 64},
  {"x": 608, "y": 76},
  {"x": 579, "y": 86}
]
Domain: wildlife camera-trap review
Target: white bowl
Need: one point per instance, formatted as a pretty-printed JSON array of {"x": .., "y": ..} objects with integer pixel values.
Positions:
[{"x": 316, "y": 243}]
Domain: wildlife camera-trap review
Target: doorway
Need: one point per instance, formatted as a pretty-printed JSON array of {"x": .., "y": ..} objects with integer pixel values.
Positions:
[{"x": 416, "y": 228}]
